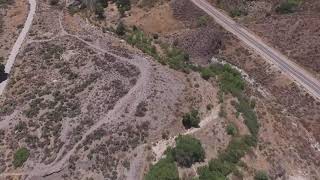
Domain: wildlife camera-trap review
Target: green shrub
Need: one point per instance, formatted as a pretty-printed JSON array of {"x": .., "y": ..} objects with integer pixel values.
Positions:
[
  {"x": 203, "y": 21},
  {"x": 177, "y": 59},
  {"x": 229, "y": 78},
  {"x": 231, "y": 129},
  {"x": 288, "y": 6},
  {"x": 188, "y": 150},
  {"x": 138, "y": 39},
  {"x": 206, "y": 174},
  {"x": 121, "y": 29},
  {"x": 221, "y": 167},
  {"x": 164, "y": 169},
  {"x": 261, "y": 175},
  {"x": 191, "y": 119},
  {"x": 238, "y": 12},
  {"x": 249, "y": 115},
  {"x": 206, "y": 73},
  {"x": 20, "y": 156}
]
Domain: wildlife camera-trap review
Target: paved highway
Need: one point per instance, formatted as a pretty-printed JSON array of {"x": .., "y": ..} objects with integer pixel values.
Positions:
[{"x": 298, "y": 74}]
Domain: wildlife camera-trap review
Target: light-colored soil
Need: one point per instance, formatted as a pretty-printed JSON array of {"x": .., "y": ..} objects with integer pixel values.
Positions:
[
  {"x": 80, "y": 95},
  {"x": 158, "y": 20},
  {"x": 13, "y": 17}
]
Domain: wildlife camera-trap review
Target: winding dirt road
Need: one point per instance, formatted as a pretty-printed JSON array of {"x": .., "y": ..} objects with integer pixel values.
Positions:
[
  {"x": 294, "y": 71},
  {"x": 17, "y": 45}
]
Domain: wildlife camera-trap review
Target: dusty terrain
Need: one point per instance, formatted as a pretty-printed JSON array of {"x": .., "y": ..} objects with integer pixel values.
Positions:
[
  {"x": 86, "y": 104},
  {"x": 12, "y": 18},
  {"x": 290, "y": 153},
  {"x": 81, "y": 102}
]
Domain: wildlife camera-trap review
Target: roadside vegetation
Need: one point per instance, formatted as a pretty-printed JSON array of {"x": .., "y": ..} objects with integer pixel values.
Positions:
[
  {"x": 165, "y": 54},
  {"x": 20, "y": 156}
]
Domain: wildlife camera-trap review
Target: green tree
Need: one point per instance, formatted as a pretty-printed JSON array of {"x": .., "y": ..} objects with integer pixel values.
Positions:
[
  {"x": 191, "y": 119},
  {"x": 231, "y": 129},
  {"x": 20, "y": 156},
  {"x": 164, "y": 169},
  {"x": 188, "y": 150}
]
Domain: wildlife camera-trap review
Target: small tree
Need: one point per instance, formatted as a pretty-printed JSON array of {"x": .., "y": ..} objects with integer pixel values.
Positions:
[
  {"x": 261, "y": 175},
  {"x": 191, "y": 119},
  {"x": 164, "y": 169},
  {"x": 20, "y": 156},
  {"x": 231, "y": 129},
  {"x": 188, "y": 150}
]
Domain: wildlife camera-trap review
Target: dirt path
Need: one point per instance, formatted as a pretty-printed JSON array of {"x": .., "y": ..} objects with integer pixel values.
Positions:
[
  {"x": 17, "y": 45},
  {"x": 133, "y": 97}
]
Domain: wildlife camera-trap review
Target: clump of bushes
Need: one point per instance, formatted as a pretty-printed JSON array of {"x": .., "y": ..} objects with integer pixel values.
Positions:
[
  {"x": 191, "y": 119},
  {"x": 188, "y": 150},
  {"x": 20, "y": 156},
  {"x": 164, "y": 169},
  {"x": 231, "y": 129},
  {"x": 249, "y": 115},
  {"x": 121, "y": 29},
  {"x": 226, "y": 162},
  {"x": 177, "y": 59},
  {"x": 261, "y": 175},
  {"x": 238, "y": 12},
  {"x": 138, "y": 39},
  {"x": 229, "y": 78},
  {"x": 287, "y": 6}
]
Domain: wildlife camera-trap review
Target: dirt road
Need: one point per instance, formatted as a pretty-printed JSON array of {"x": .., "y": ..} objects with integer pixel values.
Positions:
[
  {"x": 298, "y": 74},
  {"x": 17, "y": 45}
]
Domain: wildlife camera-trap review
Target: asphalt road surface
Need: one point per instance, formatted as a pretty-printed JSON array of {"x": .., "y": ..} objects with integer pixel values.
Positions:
[{"x": 298, "y": 74}]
